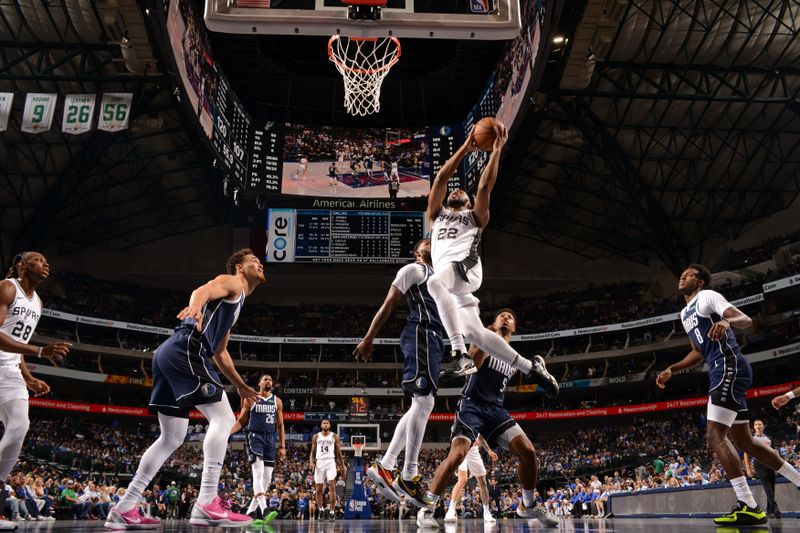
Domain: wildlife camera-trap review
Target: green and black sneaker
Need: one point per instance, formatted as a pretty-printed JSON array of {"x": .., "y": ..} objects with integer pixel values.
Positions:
[{"x": 742, "y": 515}]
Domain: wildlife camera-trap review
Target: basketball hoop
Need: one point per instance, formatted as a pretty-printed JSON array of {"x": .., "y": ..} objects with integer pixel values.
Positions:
[
  {"x": 363, "y": 62},
  {"x": 358, "y": 449}
]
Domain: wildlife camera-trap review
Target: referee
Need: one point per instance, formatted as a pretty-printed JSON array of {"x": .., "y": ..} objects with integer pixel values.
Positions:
[{"x": 763, "y": 473}]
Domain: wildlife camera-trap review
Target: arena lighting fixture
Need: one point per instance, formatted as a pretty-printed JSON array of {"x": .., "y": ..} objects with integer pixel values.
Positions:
[{"x": 558, "y": 39}]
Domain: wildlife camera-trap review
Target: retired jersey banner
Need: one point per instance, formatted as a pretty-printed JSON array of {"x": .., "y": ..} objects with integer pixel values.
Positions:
[
  {"x": 115, "y": 111},
  {"x": 78, "y": 113},
  {"x": 38, "y": 115},
  {"x": 5, "y": 109}
]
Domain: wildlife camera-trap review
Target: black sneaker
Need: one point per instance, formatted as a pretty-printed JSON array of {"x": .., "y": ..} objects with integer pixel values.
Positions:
[
  {"x": 412, "y": 491},
  {"x": 543, "y": 378},
  {"x": 331, "y": 515},
  {"x": 742, "y": 515},
  {"x": 461, "y": 364}
]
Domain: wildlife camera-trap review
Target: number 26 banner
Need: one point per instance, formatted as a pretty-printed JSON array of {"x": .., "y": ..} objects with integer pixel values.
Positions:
[
  {"x": 78, "y": 113},
  {"x": 115, "y": 111},
  {"x": 38, "y": 114}
]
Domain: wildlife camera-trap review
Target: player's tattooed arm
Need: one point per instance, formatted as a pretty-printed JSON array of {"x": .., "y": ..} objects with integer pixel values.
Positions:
[
  {"x": 439, "y": 186},
  {"x": 692, "y": 359},
  {"x": 279, "y": 426},
  {"x": 312, "y": 460},
  {"x": 488, "y": 178},
  {"x": 54, "y": 350},
  {"x": 244, "y": 416}
]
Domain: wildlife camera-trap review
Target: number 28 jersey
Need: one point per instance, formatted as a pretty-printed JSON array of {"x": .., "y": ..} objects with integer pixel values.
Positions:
[
  {"x": 455, "y": 236},
  {"x": 21, "y": 320}
]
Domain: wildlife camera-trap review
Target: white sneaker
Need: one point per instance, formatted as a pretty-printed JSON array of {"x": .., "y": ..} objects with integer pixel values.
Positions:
[
  {"x": 49, "y": 519},
  {"x": 489, "y": 519},
  {"x": 425, "y": 519},
  {"x": 450, "y": 518},
  {"x": 7, "y": 525}
]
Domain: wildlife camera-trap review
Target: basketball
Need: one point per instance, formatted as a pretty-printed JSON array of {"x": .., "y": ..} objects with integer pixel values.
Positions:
[{"x": 484, "y": 133}]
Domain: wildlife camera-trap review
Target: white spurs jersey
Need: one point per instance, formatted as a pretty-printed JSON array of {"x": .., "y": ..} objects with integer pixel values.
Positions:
[
  {"x": 455, "y": 236},
  {"x": 325, "y": 447},
  {"x": 21, "y": 320}
]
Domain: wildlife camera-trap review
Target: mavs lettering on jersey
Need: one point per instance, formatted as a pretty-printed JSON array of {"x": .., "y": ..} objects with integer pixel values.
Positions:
[
  {"x": 219, "y": 316},
  {"x": 729, "y": 371},
  {"x": 263, "y": 416},
  {"x": 488, "y": 384}
]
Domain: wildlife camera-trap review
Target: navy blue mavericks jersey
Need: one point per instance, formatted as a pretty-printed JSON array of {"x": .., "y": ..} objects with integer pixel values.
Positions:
[
  {"x": 698, "y": 316},
  {"x": 488, "y": 385},
  {"x": 263, "y": 416},
  {"x": 412, "y": 280},
  {"x": 219, "y": 316}
]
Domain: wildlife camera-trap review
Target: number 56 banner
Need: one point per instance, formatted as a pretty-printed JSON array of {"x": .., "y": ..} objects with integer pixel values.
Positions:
[
  {"x": 38, "y": 115},
  {"x": 78, "y": 113},
  {"x": 115, "y": 111}
]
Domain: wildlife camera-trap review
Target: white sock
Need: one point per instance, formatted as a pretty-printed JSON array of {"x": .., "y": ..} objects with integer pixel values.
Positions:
[
  {"x": 486, "y": 510},
  {"x": 389, "y": 459},
  {"x": 451, "y": 510},
  {"x": 420, "y": 410},
  {"x": 215, "y": 445},
  {"x": 528, "y": 498},
  {"x": 789, "y": 472},
  {"x": 14, "y": 416},
  {"x": 258, "y": 484},
  {"x": 173, "y": 431},
  {"x": 742, "y": 490},
  {"x": 267, "y": 481},
  {"x": 457, "y": 342},
  {"x": 262, "y": 504},
  {"x": 253, "y": 505}
]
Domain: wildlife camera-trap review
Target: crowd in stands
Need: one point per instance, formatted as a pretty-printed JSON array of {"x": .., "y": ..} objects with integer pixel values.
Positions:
[
  {"x": 579, "y": 470},
  {"x": 761, "y": 252}
]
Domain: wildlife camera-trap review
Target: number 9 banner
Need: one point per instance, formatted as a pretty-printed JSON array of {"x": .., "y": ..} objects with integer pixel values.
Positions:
[
  {"x": 78, "y": 113},
  {"x": 115, "y": 111},
  {"x": 38, "y": 115}
]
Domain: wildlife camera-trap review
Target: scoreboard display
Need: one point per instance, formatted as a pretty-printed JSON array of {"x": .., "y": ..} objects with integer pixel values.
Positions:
[
  {"x": 444, "y": 141},
  {"x": 325, "y": 236}
]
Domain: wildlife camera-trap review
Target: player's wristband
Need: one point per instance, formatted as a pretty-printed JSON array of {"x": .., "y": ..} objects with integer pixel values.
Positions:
[
  {"x": 39, "y": 352},
  {"x": 790, "y": 394}
]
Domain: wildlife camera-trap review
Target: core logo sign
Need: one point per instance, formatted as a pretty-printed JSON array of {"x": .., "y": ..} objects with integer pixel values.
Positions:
[{"x": 280, "y": 235}]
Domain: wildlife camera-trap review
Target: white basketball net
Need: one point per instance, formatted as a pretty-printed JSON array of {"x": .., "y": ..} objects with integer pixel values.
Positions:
[{"x": 363, "y": 63}]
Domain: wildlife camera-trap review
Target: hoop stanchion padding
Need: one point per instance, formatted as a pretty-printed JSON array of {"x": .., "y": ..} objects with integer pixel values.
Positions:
[{"x": 363, "y": 62}]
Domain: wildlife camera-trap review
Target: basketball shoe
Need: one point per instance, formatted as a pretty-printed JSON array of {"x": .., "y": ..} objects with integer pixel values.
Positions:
[
  {"x": 214, "y": 514},
  {"x": 540, "y": 513},
  {"x": 742, "y": 515},
  {"x": 382, "y": 477},
  {"x": 130, "y": 520}
]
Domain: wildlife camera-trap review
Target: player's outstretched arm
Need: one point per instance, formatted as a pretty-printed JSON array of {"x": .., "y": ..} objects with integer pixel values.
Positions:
[
  {"x": 244, "y": 416},
  {"x": 279, "y": 426},
  {"x": 692, "y": 359},
  {"x": 223, "y": 286},
  {"x": 439, "y": 186},
  {"x": 783, "y": 399},
  {"x": 489, "y": 177},
  {"x": 225, "y": 364},
  {"x": 390, "y": 303}
]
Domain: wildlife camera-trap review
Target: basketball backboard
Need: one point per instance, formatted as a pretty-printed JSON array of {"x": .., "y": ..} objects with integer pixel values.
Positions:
[{"x": 421, "y": 19}]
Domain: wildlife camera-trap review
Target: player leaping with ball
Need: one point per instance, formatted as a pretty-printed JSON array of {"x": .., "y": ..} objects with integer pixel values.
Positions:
[{"x": 455, "y": 243}]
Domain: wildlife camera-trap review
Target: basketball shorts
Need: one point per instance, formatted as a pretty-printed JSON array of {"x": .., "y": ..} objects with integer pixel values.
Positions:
[
  {"x": 422, "y": 358},
  {"x": 182, "y": 377},
  {"x": 324, "y": 472},
  {"x": 490, "y": 420},
  {"x": 261, "y": 446},
  {"x": 729, "y": 380},
  {"x": 461, "y": 279},
  {"x": 12, "y": 386},
  {"x": 473, "y": 463}
]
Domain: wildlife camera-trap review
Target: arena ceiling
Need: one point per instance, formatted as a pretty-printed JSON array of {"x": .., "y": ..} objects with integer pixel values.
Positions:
[{"x": 660, "y": 127}]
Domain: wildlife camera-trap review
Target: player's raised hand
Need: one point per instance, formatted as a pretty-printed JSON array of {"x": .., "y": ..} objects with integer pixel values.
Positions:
[
  {"x": 363, "y": 351},
  {"x": 492, "y": 456},
  {"x": 719, "y": 330},
  {"x": 193, "y": 311},
  {"x": 56, "y": 351},
  {"x": 469, "y": 142},
  {"x": 500, "y": 137},
  {"x": 663, "y": 377},
  {"x": 780, "y": 401}
]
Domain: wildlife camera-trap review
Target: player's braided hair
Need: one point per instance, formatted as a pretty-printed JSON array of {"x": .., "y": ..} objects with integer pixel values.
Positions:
[
  {"x": 13, "y": 272},
  {"x": 236, "y": 259}
]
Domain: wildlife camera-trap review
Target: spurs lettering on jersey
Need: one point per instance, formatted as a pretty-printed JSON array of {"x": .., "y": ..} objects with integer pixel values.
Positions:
[
  {"x": 455, "y": 236},
  {"x": 325, "y": 447},
  {"x": 21, "y": 320}
]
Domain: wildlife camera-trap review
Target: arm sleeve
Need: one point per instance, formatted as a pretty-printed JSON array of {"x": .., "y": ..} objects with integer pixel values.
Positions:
[
  {"x": 409, "y": 275},
  {"x": 712, "y": 302}
]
